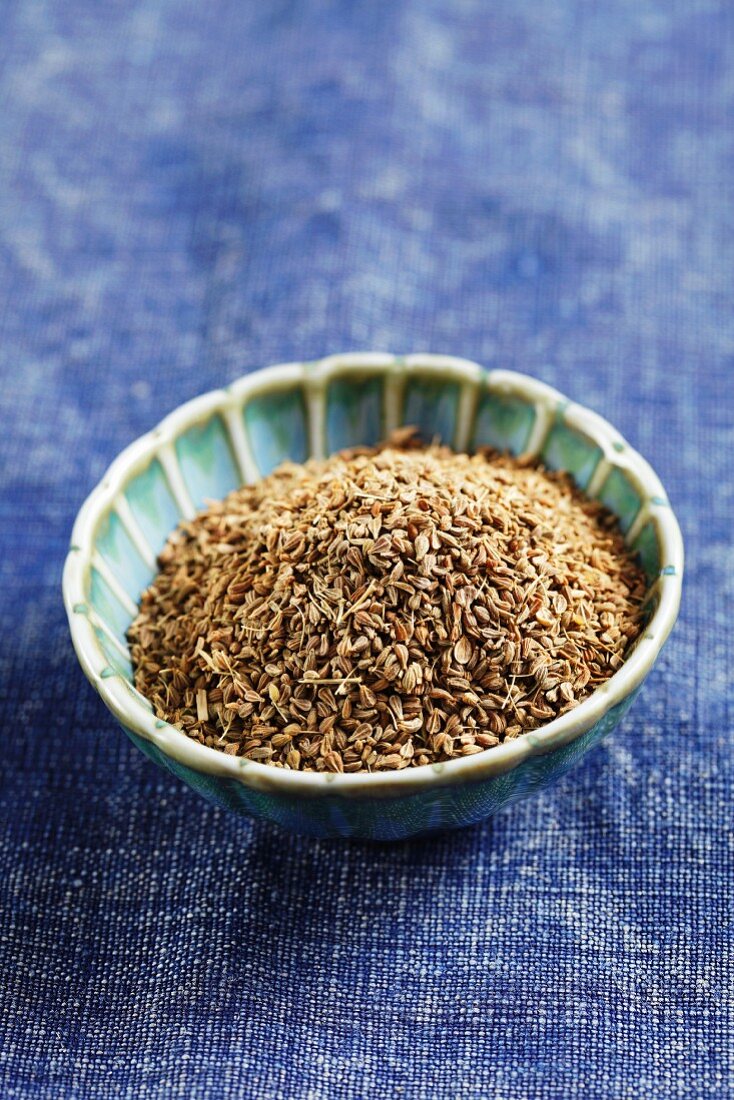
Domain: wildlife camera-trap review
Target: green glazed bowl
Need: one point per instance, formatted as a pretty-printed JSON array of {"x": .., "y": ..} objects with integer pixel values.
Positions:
[{"x": 220, "y": 440}]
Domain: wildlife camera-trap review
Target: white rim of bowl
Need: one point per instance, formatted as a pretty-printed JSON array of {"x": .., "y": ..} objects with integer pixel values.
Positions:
[{"x": 133, "y": 711}]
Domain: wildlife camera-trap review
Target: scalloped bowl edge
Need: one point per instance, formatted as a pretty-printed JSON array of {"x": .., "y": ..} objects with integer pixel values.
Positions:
[{"x": 173, "y": 748}]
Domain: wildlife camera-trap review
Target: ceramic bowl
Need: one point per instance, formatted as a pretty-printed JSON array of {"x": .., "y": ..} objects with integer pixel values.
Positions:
[{"x": 214, "y": 443}]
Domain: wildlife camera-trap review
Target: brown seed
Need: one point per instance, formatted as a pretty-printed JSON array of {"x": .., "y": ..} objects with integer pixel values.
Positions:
[
  {"x": 463, "y": 651},
  {"x": 333, "y": 762},
  {"x": 411, "y": 725},
  {"x": 422, "y": 546}
]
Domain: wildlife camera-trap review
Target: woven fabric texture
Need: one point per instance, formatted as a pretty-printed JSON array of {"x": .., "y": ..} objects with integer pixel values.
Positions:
[{"x": 192, "y": 190}]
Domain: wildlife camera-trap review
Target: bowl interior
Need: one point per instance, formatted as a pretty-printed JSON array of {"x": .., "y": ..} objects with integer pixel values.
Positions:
[{"x": 217, "y": 442}]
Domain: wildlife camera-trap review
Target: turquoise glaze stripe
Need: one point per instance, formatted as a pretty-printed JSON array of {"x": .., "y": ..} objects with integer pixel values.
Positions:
[
  {"x": 206, "y": 462},
  {"x": 568, "y": 450},
  {"x": 353, "y": 412},
  {"x": 276, "y": 427},
  {"x": 107, "y": 606},
  {"x": 431, "y": 406},
  {"x": 620, "y": 497},
  {"x": 646, "y": 545},
  {"x": 119, "y": 664},
  {"x": 504, "y": 423},
  {"x": 119, "y": 552},
  {"x": 153, "y": 506}
]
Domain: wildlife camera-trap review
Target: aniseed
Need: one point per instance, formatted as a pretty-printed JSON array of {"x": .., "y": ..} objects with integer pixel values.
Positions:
[{"x": 385, "y": 608}]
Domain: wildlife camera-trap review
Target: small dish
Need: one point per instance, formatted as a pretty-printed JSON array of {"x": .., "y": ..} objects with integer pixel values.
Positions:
[{"x": 212, "y": 444}]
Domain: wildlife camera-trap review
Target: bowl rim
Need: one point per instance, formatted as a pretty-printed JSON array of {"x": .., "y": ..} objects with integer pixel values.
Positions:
[{"x": 134, "y": 712}]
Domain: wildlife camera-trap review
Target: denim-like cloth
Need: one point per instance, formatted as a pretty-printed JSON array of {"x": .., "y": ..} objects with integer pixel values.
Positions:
[{"x": 190, "y": 190}]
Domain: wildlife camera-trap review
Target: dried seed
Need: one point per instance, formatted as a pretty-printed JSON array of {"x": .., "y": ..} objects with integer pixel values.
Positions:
[
  {"x": 422, "y": 546},
  {"x": 463, "y": 651}
]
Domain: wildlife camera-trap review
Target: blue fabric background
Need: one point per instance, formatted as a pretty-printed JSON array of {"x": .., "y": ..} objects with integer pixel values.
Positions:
[{"x": 191, "y": 190}]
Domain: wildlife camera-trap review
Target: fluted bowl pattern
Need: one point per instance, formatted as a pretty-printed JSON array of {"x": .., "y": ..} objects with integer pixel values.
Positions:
[{"x": 212, "y": 444}]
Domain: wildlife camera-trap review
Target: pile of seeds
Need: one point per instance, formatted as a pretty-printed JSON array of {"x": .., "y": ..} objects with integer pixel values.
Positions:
[{"x": 385, "y": 608}]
